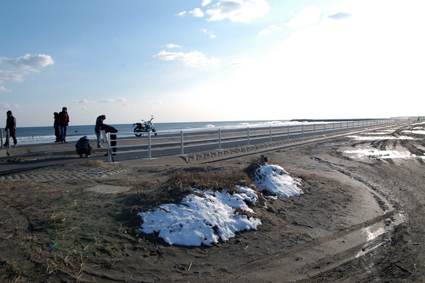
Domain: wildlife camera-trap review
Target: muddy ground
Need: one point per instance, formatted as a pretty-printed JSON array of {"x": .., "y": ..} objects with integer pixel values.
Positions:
[{"x": 54, "y": 229}]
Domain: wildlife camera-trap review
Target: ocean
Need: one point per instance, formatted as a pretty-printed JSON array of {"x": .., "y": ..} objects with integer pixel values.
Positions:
[{"x": 38, "y": 135}]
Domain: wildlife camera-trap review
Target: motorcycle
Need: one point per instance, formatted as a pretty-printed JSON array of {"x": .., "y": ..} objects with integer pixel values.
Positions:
[{"x": 144, "y": 127}]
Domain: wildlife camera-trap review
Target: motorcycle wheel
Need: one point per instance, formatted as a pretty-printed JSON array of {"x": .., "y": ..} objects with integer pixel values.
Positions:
[{"x": 138, "y": 132}]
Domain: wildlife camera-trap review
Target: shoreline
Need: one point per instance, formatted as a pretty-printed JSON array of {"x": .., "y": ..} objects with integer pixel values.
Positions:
[{"x": 37, "y": 135}]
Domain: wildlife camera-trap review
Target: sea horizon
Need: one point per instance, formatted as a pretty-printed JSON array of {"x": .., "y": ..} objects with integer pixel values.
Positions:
[{"x": 46, "y": 134}]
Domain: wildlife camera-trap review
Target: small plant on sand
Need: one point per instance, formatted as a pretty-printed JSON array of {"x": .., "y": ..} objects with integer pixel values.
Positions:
[
  {"x": 254, "y": 164},
  {"x": 210, "y": 180},
  {"x": 92, "y": 163}
]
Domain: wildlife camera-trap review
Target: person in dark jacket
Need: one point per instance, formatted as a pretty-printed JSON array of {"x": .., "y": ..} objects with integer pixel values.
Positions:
[
  {"x": 11, "y": 126},
  {"x": 56, "y": 126},
  {"x": 83, "y": 147},
  {"x": 113, "y": 135},
  {"x": 98, "y": 128},
  {"x": 63, "y": 123}
]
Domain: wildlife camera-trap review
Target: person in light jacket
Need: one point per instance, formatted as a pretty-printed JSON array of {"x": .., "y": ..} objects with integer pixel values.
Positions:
[{"x": 98, "y": 128}]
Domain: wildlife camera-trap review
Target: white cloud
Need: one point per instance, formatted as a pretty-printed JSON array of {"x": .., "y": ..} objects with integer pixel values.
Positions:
[
  {"x": 12, "y": 76},
  {"x": 105, "y": 100},
  {"x": 242, "y": 62},
  {"x": 238, "y": 10},
  {"x": 4, "y": 90},
  {"x": 191, "y": 59},
  {"x": 265, "y": 32},
  {"x": 27, "y": 61},
  {"x": 14, "y": 69},
  {"x": 155, "y": 102},
  {"x": 7, "y": 106},
  {"x": 308, "y": 16},
  {"x": 109, "y": 100},
  {"x": 197, "y": 13},
  {"x": 339, "y": 16},
  {"x": 181, "y": 14},
  {"x": 81, "y": 101},
  {"x": 205, "y": 2},
  {"x": 269, "y": 30},
  {"x": 210, "y": 33},
  {"x": 170, "y": 45}
]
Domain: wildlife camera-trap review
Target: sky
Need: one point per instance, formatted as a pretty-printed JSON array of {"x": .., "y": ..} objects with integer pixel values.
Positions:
[{"x": 210, "y": 60}]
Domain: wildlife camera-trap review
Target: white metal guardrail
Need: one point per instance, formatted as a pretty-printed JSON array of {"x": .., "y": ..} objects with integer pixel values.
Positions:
[
  {"x": 7, "y": 138},
  {"x": 196, "y": 141}
]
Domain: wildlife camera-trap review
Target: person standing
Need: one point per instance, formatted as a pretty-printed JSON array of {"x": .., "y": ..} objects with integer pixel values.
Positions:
[
  {"x": 98, "y": 128},
  {"x": 56, "y": 126},
  {"x": 63, "y": 123},
  {"x": 11, "y": 126}
]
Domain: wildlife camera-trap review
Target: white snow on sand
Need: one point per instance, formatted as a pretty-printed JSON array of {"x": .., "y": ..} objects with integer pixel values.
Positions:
[
  {"x": 421, "y": 123},
  {"x": 415, "y": 132},
  {"x": 275, "y": 179},
  {"x": 366, "y": 138},
  {"x": 378, "y": 133},
  {"x": 361, "y": 153},
  {"x": 206, "y": 217},
  {"x": 391, "y": 152}
]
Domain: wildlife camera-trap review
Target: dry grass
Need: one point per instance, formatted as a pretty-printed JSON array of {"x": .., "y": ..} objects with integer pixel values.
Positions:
[
  {"x": 92, "y": 163},
  {"x": 210, "y": 180},
  {"x": 215, "y": 180}
]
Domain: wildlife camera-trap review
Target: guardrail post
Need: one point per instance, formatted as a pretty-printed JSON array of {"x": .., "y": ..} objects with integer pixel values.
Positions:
[
  {"x": 108, "y": 140},
  {"x": 288, "y": 132},
  {"x": 219, "y": 139},
  {"x": 270, "y": 133},
  {"x": 149, "y": 145},
  {"x": 324, "y": 129},
  {"x": 8, "y": 138},
  {"x": 247, "y": 133},
  {"x": 314, "y": 129},
  {"x": 302, "y": 130},
  {"x": 182, "y": 143}
]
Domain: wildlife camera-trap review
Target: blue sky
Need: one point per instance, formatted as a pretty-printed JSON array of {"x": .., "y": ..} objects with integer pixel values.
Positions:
[{"x": 218, "y": 60}]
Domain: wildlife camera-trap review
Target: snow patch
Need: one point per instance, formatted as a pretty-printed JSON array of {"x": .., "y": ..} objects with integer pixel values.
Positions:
[
  {"x": 275, "y": 179},
  {"x": 361, "y": 153},
  {"x": 366, "y": 138},
  {"x": 201, "y": 219},
  {"x": 206, "y": 217}
]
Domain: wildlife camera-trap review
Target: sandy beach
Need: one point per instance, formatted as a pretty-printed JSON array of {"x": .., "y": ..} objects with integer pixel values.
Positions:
[{"x": 360, "y": 218}]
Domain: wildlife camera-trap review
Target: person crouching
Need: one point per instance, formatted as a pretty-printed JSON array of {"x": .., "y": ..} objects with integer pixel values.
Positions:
[{"x": 83, "y": 147}]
